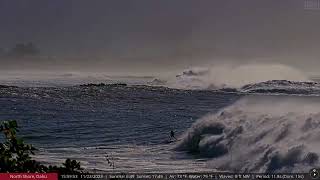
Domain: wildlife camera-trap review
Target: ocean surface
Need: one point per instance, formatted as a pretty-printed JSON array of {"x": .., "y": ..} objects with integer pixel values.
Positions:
[
  {"x": 130, "y": 126},
  {"x": 272, "y": 126}
]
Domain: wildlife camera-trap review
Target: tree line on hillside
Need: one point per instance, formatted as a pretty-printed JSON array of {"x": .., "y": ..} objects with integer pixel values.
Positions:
[{"x": 15, "y": 154}]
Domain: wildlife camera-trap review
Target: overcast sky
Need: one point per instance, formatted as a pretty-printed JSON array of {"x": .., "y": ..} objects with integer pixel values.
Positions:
[{"x": 157, "y": 35}]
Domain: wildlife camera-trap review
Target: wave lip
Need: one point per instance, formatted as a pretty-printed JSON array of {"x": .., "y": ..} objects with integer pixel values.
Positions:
[
  {"x": 283, "y": 87},
  {"x": 266, "y": 87},
  {"x": 265, "y": 135}
]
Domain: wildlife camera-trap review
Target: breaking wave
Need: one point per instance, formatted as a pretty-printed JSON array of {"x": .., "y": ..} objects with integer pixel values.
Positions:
[
  {"x": 218, "y": 77},
  {"x": 245, "y": 79},
  {"x": 283, "y": 87},
  {"x": 259, "y": 134}
]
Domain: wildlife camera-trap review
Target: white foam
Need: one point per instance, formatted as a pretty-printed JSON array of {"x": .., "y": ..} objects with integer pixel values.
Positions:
[
  {"x": 215, "y": 77},
  {"x": 259, "y": 134}
]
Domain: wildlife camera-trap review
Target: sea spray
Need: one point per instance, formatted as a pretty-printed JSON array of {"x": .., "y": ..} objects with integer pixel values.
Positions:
[
  {"x": 259, "y": 134},
  {"x": 223, "y": 76}
]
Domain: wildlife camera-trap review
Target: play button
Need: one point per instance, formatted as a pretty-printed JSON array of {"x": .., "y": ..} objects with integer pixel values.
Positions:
[{"x": 314, "y": 173}]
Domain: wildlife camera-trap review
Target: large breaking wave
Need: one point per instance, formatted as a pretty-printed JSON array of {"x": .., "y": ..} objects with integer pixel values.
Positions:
[
  {"x": 259, "y": 134},
  {"x": 218, "y": 77},
  {"x": 245, "y": 79}
]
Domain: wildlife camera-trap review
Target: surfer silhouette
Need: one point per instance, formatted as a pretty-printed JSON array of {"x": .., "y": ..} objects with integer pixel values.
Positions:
[{"x": 172, "y": 135}]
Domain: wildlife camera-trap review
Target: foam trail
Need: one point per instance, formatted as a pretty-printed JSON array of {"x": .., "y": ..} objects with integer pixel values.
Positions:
[{"x": 259, "y": 134}]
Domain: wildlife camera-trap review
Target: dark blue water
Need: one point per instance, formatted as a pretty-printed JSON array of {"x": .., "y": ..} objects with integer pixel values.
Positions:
[{"x": 77, "y": 117}]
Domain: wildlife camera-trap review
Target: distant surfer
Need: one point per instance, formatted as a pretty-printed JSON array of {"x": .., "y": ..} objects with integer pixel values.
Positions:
[{"x": 172, "y": 135}]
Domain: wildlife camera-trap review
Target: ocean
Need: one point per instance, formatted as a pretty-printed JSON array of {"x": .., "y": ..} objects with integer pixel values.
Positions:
[
  {"x": 126, "y": 128},
  {"x": 129, "y": 124}
]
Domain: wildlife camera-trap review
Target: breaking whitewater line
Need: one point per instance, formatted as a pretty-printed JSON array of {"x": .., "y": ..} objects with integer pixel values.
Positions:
[{"x": 259, "y": 134}]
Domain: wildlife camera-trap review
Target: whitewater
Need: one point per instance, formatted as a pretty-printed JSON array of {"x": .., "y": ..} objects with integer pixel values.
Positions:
[
  {"x": 259, "y": 134},
  {"x": 248, "y": 126}
]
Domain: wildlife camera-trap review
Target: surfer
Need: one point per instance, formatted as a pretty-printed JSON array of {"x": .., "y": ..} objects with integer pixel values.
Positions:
[{"x": 172, "y": 135}]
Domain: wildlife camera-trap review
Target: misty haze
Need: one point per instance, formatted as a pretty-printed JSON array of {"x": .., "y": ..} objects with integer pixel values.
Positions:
[{"x": 163, "y": 86}]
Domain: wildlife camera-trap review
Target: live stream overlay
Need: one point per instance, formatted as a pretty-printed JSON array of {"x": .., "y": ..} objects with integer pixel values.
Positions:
[{"x": 312, "y": 174}]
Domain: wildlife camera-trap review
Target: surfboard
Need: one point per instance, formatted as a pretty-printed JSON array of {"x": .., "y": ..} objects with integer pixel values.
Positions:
[{"x": 171, "y": 141}]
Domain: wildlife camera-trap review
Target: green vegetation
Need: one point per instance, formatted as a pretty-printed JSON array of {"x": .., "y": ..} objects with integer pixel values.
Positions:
[{"x": 15, "y": 154}]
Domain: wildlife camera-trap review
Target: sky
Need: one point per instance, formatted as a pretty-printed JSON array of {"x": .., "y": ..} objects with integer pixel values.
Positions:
[{"x": 146, "y": 36}]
